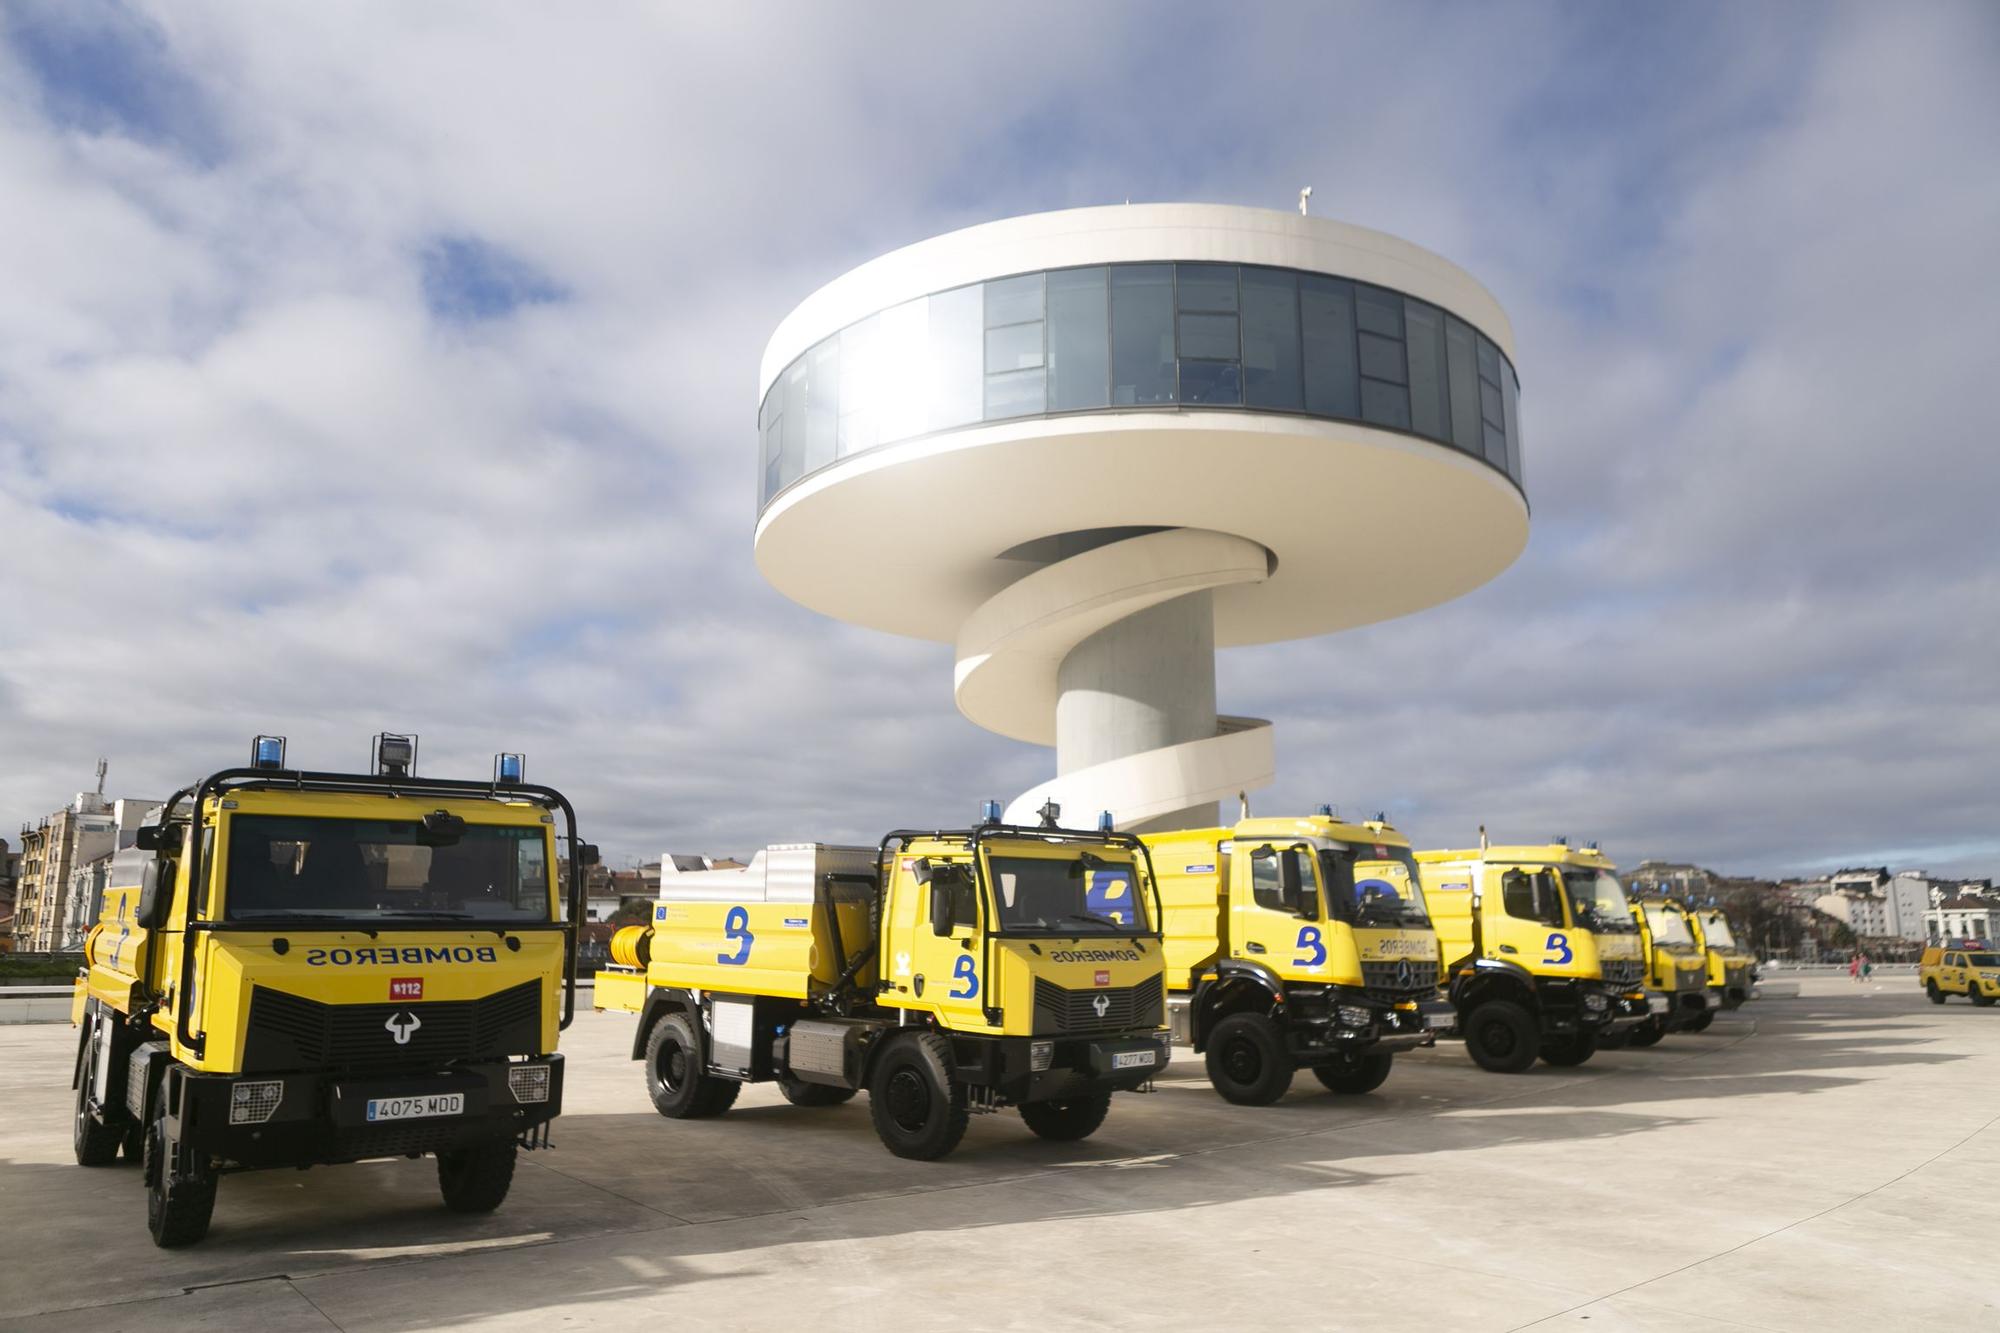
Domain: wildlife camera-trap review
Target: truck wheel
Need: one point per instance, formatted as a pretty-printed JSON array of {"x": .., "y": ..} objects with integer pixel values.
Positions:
[
  {"x": 1648, "y": 1033},
  {"x": 1976, "y": 995},
  {"x": 1701, "y": 1024},
  {"x": 1930, "y": 989},
  {"x": 96, "y": 1144},
  {"x": 1566, "y": 1052},
  {"x": 800, "y": 1093},
  {"x": 1067, "y": 1120},
  {"x": 918, "y": 1108},
  {"x": 1501, "y": 1036},
  {"x": 177, "y": 1212},
  {"x": 680, "y": 1088},
  {"x": 1355, "y": 1073},
  {"x": 1247, "y": 1061},
  {"x": 475, "y": 1180}
]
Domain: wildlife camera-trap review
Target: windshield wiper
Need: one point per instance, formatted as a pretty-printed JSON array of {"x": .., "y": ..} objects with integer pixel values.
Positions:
[{"x": 1092, "y": 916}]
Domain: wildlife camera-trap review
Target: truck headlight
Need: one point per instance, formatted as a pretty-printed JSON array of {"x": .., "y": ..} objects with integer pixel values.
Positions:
[
  {"x": 1595, "y": 1001},
  {"x": 1356, "y": 1016},
  {"x": 528, "y": 1083},
  {"x": 1041, "y": 1054},
  {"x": 254, "y": 1103}
]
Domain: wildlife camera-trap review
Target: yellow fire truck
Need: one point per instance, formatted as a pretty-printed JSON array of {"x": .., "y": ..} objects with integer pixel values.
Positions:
[
  {"x": 945, "y": 972},
  {"x": 1540, "y": 949},
  {"x": 1732, "y": 971},
  {"x": 300, "y": 968},
  {"x": 1676, "y": 971},
  {"x": 1295, "y": 943}
]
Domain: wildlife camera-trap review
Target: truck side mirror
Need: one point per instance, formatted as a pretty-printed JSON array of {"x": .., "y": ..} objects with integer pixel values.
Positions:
[
  {"x": 588, "y": 854},
  {"x": 441, "y": 828},
  {"x": 941, "y": 907},
  {"x": 150, "y": 837},
  {"x": 156, "y": 890}
]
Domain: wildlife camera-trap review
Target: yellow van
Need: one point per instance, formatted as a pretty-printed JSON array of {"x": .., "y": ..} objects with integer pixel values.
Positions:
[{"x": 1973, "y": 973}]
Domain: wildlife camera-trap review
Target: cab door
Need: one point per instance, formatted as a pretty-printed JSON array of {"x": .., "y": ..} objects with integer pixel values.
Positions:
[
  {"x": 1526, "y": 921},
  {"x": 1960, "y": 978},
  {"x": 936, "y": 954},
  {"x": 1274, "y": 910}
]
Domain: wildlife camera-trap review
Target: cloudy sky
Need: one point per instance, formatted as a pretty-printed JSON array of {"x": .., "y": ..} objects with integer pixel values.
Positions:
[{"x": 394, "y": 366}]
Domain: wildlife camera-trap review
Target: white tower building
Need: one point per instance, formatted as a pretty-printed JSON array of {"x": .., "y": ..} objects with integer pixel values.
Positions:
[{"x": 1091, "y": 447}]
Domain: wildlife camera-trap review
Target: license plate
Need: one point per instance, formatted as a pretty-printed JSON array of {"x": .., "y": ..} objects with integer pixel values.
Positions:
[
  {"x": 1659, "y": 1004},
  {"x": 416, "y": 1108},
  {"x": 1134, "y": 1059},
  {"x": 1437, "y": 1021}
]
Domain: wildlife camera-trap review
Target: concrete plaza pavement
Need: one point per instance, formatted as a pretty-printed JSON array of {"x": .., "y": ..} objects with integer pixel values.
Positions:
[{"x": 1829, "y": 1162}]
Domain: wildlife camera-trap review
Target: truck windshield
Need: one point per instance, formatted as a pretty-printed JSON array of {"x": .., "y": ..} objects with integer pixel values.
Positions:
[
  {"x": 1598, "y": 900},
  {"x": 1373, "y": 886},
  {"x": 1715, "y": 926},
  {"x": 1052, "y": 895},
  {"x": 1668, "y": 927},
  {"x": 284, "y": 867},
  {"x": 1982, "y": 960}
]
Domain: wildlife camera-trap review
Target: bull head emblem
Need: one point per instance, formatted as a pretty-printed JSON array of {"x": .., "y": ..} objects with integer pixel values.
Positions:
[
  {"x": 402, "y": 1025},
  {"x": 1102, "y": 1004}
]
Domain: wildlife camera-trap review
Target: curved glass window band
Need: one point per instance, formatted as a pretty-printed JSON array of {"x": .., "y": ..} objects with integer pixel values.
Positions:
[{"x": 1104, "y": 337}]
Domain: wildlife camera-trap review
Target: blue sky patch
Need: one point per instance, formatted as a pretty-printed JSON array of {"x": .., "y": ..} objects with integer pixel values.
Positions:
[{"x": 467, "y": 280}]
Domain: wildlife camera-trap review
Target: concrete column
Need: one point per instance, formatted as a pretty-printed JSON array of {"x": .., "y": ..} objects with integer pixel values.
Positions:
[{"x": 1145, "y": 682}]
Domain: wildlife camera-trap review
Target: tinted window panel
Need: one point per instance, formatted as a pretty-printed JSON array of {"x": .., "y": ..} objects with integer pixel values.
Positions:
[
  {"x": 1014, "y": 300},
  {"x": 1207, "y": 286},
  {"x": 1271, "y": 340},
  {"x": 1381, "y": 358},
  {"x": 1142, "y": 334},
  {"x": 1496, "y": 447},
  {"x": 822, "y": 403},
  {"x": 904, "y": 341},
  {"x": 958, "y": 380},
  {"x": 1326, "y": 307},
  {"x": 1459, "y": 355},
  {"x": 1385, "y": 404},
  {"x": 1512, "y": 392},
  {"x": 1489, "y": 361},
  {"x": 792, "y": 445},
  {"x": 1490, "y": 405},
  {"x": 1430, "y": 410},
  {"x": 1079, "y": 340},
  {"x": 860, "y": 387},
  {"x": 1380, "y": 311},
  {"x": 1211, "y": 382},
  {"x": 1016, "y": 347},
  {"x": 1209, "y": 336},
  {"x": 1018, "y": 394}
]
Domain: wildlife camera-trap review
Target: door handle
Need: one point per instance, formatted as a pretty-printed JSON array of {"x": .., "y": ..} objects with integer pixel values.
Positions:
[
  {"x": 1508, "y": 948},
  {"x": 1253, "y": 947}
]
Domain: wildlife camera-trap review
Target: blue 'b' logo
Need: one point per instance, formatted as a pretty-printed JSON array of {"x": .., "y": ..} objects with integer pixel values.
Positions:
[
  {"x": 736, "y": 928},
  {"x": 962, "y": 973},
  {"x": 1312, "y": 949},
  {"x": 1558, "y": 950}
]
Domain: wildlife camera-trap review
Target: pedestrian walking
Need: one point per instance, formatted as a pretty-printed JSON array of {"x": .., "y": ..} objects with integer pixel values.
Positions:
[
  {"x": 1867, "y": 967},
  {"x": 1854, "y": 968}
]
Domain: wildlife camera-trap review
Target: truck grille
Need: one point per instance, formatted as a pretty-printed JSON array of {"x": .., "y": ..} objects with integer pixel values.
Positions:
[
  {"x": 1404, "y": 979},
  {"x": 291, "y": 1032},
  {"x": 1058, "y": 1009},
  {"x": 1624, "y": 971}
]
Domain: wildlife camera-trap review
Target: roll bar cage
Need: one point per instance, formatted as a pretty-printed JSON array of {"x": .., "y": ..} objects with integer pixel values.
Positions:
[{"x": 215, "y": 785}]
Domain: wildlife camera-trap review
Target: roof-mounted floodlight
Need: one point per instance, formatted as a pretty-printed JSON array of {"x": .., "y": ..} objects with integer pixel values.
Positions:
[
  {"x": 989, "y": 813},
  {"x": 395, "y": 756},
  {"x": 1050, "y": 813},
  {"x": 508, "y": 769},
  {"x": 267, "y": 752}
]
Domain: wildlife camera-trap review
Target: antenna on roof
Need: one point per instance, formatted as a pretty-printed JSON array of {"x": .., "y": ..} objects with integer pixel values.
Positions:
[{"x": 1304, "y": 195}]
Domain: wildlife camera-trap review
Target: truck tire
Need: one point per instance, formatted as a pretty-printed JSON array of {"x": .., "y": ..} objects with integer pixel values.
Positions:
[
  {"x": 177, "y": 1212},
  {"x": 1247, "y": 1060},
  {"x": 1931, "y": 989},
  {"x": 1701, "y": 1024},
  {"x": 475, "y": 1180},
  {"x": 1976, "y": 995},
  {"x": 919, "y": 1108},
  {"x": 681, "y": 1089},
  {"x": 1569, "y": 1050},
  {"x": 1647, "y": 1033},
  {"x": 1502, "y": 1037},
  {"x": 1067, "y": 1120},
  {"x": 96, "y": 1144},
  {"x": 800, "y": 1093},
  {"x": 1355, "y": 1074}
]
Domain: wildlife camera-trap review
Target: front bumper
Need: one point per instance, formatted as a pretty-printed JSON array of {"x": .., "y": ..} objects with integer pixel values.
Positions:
[
  {"x": 1627, "y": 1011},
  {"x": 1313, "y": 1035},
  {"x": 322, "y": 1118},
  {"x": 1071, "y": 1066}
]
